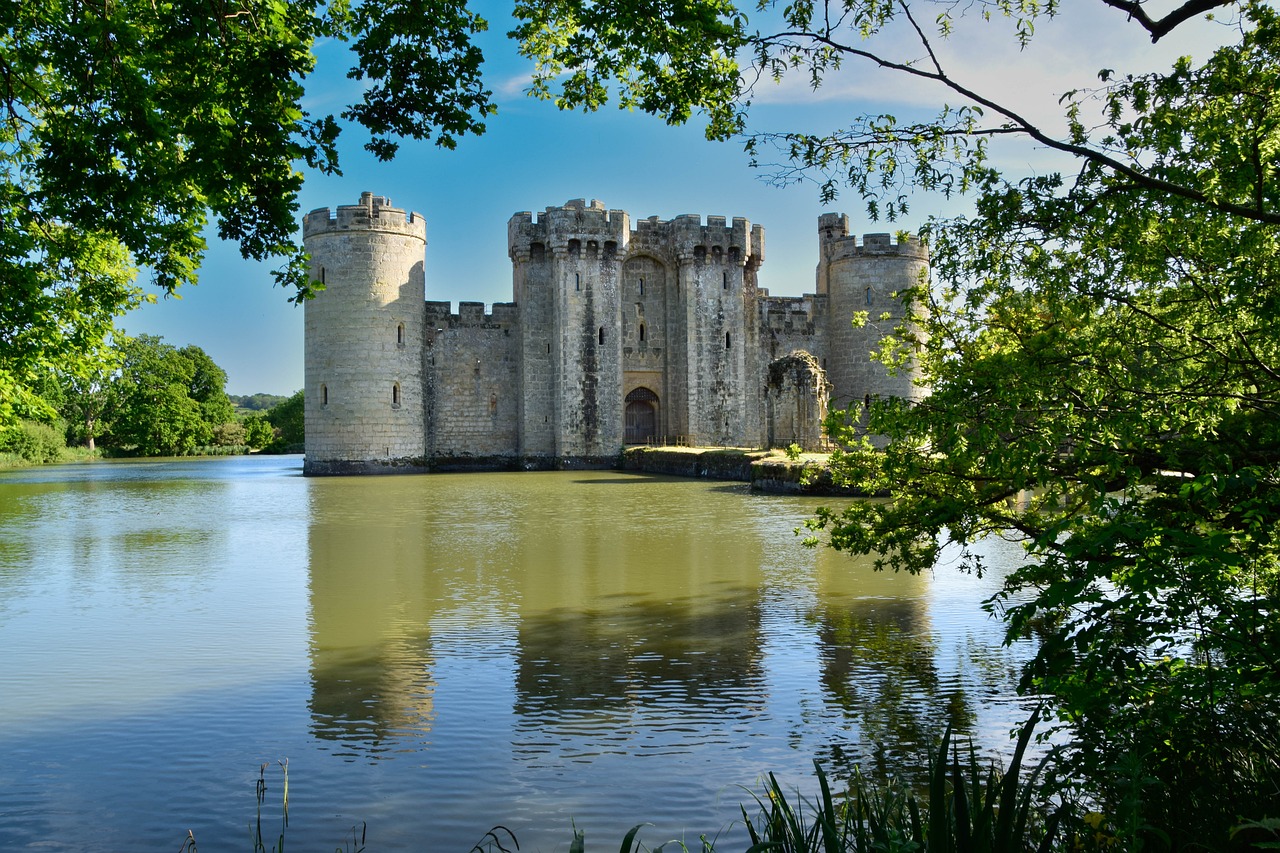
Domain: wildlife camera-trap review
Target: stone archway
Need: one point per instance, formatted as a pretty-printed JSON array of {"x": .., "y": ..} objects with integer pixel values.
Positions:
[{"x": 641, "y": 416}]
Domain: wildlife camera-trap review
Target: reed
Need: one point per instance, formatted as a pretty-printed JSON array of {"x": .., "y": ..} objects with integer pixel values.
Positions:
[
  {"x": 965, "y": 805},
  {"x": 968, "y": 807}
]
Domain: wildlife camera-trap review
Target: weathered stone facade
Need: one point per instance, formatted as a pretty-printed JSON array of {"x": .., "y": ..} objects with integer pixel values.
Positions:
[{"x": 616, "y": 335}]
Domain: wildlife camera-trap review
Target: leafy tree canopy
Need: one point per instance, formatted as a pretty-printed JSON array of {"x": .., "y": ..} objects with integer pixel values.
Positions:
[
  {"x": 167, "y": 401},
  {"x": 258, "y": 432},
  {"x": 1102, "y": 349},
  {"x": 128, "y": 126},
  {"x": 287, "y": 419}
]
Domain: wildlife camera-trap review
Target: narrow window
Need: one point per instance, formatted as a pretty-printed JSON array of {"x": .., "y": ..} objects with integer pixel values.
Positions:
[
  {"x": 548, "y": 349},
  {"x": 602, "y": 334},
  {"x": 866, "y": 401},
  {"x": 322, "y": 275},
  {"x": 324, "y": 395},
  {"x": 642, "y": 287},
  {"x": 395, "y": 395},
  {"x": 726, "y": 340},
  {"x": 400, "y": 335},
  {"x": 868, "y": 296},
  {"x": 577, "y": 281},
  {"x": 725, "y": 279},
  {"x": 642, "y": 332}
]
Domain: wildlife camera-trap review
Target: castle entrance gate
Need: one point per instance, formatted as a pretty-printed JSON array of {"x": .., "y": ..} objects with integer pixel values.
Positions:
[{"x": 642, "y": 416}]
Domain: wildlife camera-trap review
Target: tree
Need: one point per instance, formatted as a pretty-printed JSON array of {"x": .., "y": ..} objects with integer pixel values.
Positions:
[
  {"x": 208, "y": 384},
  {"x": 255, "y": 402},
  {"x": 1103, "y": 349},
  {"x": 287, "y": 419},
  {"x": 62, "y": 289},
  {"x": 258, "y": 432},
  {"x": 127, "y": 127},
  {"x": 170, "y": 400},
  {"x": 89, "y": 398}
]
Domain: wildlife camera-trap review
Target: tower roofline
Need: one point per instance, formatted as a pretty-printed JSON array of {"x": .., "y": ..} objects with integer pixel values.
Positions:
[{"x": 373, "y": 213}]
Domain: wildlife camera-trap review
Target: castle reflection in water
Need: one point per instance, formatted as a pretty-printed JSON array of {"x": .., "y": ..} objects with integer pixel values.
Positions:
[{"x": 579, "y": 615}]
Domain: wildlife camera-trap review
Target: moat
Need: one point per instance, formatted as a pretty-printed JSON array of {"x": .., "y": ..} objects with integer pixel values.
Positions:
[{"x": 437, "y": 654}]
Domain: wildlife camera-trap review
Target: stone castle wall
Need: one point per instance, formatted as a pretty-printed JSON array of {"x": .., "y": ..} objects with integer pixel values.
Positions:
[
  {"x": 565, "y": 264},
  {"x": 470, "y": 361},
  {"x": 616, "y": 334}
]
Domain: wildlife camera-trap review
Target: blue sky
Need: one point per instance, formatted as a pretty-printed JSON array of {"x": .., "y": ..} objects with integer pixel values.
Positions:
[{"x": 534, "y": 156}]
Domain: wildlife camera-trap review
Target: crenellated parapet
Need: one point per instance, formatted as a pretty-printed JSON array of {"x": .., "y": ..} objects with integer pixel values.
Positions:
[
  {"x": 471, "y": 315},
  {"x": 373, "y": 213},
  {"x": 716, "y": 242},
  {"x": 575, "y": 228},
  {"x": 587, "y": 229},
  {"x": 793, "y": 313},
  {"x": 835, "y": 242}
]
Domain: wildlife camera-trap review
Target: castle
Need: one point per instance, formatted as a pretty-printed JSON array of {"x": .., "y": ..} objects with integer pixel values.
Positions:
[{"x": 618, "y": 333}]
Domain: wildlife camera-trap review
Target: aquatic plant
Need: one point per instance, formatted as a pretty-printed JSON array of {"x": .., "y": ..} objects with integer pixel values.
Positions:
[{"x": 970, "y": 807}]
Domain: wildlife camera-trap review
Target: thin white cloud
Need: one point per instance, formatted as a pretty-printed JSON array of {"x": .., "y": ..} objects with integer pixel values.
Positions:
[
  {"x": 1065, "y": 53},
  {"x": 514, "y": 86}
]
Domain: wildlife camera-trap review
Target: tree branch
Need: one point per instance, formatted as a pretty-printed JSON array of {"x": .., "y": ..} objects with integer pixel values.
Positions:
[
  {"x": 1164, "y": 26},
  {"x": 1025, "y": 126}
]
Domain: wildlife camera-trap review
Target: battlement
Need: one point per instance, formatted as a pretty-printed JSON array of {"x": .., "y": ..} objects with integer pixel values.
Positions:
[
  {"x": 582, "y": 226},
  {"x": 373, "y": 213},
  {"x": 792, "y": 312},
  {"x": 440, "y": 315},
  {"x": 836, "y": 242},
  {"x": 716, "y": 241},
  {"x": 575, "y": 222}
]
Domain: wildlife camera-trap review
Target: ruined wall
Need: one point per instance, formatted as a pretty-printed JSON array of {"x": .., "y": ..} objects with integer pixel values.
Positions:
[
  {"x": 790, "y": 323},
  {"x": 364, "y": 337},
  {"x": 796, "y": 395}
]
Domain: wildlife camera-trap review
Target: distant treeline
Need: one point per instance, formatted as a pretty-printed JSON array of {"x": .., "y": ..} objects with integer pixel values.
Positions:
[
  {"x": 256, "y": 402},
  {"x": 143, "y": 397}
]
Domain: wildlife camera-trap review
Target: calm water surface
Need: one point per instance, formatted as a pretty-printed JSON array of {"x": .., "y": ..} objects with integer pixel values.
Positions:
[{"x": 437, "y": 654}]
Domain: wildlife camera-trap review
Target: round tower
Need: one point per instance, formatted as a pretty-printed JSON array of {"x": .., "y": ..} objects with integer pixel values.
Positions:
[
  {"x": 364, "y": 339},
  {"x": 868, "y": 277}
]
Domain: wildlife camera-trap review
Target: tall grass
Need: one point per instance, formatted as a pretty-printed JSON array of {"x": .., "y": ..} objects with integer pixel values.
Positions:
[
  {"x": 965, "y": 805},
  {"x": 966, "y": 808}
]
